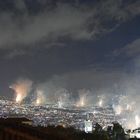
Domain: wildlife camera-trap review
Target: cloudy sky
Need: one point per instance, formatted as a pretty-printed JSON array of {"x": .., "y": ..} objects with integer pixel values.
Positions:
[{"x": 70, "y": 44}]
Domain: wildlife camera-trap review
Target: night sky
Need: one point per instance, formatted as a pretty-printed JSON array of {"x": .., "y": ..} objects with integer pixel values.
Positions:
[{"x": 77, "y": 45}]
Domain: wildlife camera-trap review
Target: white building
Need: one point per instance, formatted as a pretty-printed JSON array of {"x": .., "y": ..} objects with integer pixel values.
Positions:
[{"x": 88, "y": 126}]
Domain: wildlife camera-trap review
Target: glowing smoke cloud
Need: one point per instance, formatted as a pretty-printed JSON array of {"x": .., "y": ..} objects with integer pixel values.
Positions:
[
  {"x": 22, "y": 88},
  {"x": 127, "y": 108},
  {"x": 118, "y": 109},
  {"x": 54, "y": 91},
  {"x": 81, "y": 101},
  {"x": 86, "y": 98},
  {"x": 82, "y": 98},
  {"x": 61, "y": 102},
  {"x": 63, "y": 98},
  {"x": 100, "y": 102},
  {"x": 137, "y": 120},
  {"x": 41, "y": 99}
]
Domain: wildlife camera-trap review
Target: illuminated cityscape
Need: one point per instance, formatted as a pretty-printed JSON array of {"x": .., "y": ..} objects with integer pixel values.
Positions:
[{"x": 53, "y": 114}]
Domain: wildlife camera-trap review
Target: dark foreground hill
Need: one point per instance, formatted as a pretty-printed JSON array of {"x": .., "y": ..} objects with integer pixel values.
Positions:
[{"x": 22, "y": 129}]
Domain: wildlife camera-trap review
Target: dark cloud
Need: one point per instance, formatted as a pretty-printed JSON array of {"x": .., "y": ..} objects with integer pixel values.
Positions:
[
  {"x": 130, "y": 50},
  {"x": 60, "y": 45},
  {"x": 15, "y": 53},
  {"x": 60, "y": 20}
]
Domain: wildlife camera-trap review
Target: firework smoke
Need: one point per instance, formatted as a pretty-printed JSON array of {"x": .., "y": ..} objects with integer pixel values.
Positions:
[
  {"x": 100, "y": 102},
  {"x": 63, "y": 99},
  {"x": 82, "y": 101},
  {"x": 84, "y": 98},
  {"x": 126, "y": 108},
  {"x": 22, "y": 88},
  {"x": 41, "y": 99},
  {"x": 123, "y": 97}
]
